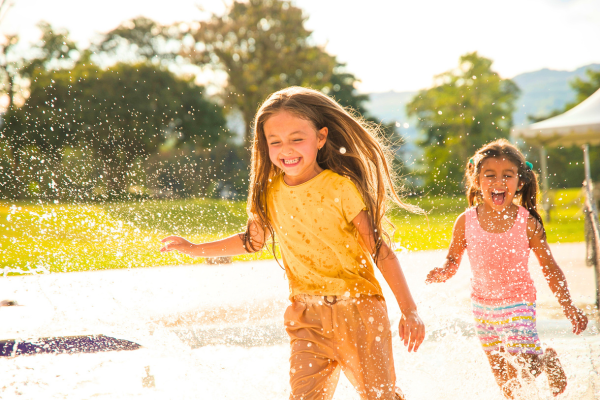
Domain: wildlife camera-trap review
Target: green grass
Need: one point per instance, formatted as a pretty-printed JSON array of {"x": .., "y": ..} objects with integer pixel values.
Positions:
[
  {"x": 76, "y": 237},
  {"x": 435, "y": 231}
]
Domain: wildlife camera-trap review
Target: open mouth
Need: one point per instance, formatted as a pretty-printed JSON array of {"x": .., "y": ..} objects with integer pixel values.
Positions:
[
  {"x": 291, "y": 161},
  {"x": 498, "y": 197}
]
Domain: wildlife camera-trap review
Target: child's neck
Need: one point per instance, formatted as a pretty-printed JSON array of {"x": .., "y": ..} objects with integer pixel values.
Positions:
[{"x": 295, "y": 180}]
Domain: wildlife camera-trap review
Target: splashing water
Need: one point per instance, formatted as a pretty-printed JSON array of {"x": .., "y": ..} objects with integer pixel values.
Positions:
[{"x": 217, "y": 332}]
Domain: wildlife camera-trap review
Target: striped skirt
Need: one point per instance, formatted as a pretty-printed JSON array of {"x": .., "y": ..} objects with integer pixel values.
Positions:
[{"x": 510, "y": 328}]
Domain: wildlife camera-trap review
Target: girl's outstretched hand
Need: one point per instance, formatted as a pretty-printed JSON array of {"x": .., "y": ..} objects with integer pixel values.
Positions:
[
  {"x": 577, "y": 318},
  {"x": 411, "y": 330},
  {"x": 175, "y": 243},
  {"x": 436, "y": 275}
]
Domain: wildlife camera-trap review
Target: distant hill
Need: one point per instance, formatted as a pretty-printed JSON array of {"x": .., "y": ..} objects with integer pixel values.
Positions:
[
  {"x": 391, "y": 107},
  {"x": 545, "y": 90},
  {"x": 541, "y": 92}
]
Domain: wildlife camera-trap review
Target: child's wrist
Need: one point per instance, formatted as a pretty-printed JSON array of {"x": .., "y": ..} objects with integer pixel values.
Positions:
[
  {"x": 411, "y": 311},
  {"x": 568, "y": 307}
]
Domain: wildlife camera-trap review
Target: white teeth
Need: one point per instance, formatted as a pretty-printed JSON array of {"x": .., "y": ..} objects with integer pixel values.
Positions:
[{"x": 294, "y": 161}]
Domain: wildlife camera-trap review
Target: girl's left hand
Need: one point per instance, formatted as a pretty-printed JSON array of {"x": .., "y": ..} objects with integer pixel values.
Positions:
[
  {"x": 577, "y": 318},
  {"x": 411, "y": 330},
  {"x": 436, "y": 275}
]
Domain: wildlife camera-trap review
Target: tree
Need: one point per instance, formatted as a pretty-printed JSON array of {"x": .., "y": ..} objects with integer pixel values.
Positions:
[
  {"x": 262, "y": 46},
  {"x": 584, "y": 88},
  {"x": 120, "y": 114},
  {"x": 342, "y": 87},
  {"x": 53, "y": 50},
  {"x": 141, "y": 39},
  {"x": 467, "y": 107}
]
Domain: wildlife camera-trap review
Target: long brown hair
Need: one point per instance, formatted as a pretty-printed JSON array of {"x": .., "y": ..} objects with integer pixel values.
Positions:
[
  {"x": 366, "y": 161},
  {"x": 527, "y": 196}
]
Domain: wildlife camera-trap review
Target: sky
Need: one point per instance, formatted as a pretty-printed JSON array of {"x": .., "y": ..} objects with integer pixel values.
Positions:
[{"x": 395, "y": 45}]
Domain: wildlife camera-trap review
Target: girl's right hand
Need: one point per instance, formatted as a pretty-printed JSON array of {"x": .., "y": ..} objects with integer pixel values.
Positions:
[
  {"x": 577, "y": 317},
  {"x": 436, "y": 275},
  {"x": 411, "y": 330},
  {"x": 176, "y": 243}
]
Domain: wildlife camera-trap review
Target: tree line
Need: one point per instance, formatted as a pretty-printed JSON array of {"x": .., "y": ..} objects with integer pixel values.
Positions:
[
  {"x": 127, "y": 117},
  {"x": 126, "y": 114},
  {"x": 471, "y": 105}
]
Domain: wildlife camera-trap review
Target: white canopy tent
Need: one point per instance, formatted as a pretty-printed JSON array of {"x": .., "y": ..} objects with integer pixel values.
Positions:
[{"x": 578, "y": 126}]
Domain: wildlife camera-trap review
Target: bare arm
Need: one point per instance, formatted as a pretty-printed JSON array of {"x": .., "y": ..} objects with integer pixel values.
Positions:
[
  {"x": 455, "y": 253},
  {"x": 554, "y": 275},
  {"x": 411, "y": 329},
  {"x": 231, "y": 246}
]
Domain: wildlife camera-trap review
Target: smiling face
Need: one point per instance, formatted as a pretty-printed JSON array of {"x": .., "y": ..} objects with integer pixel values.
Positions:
[
  {"x": 293, "y": 146},
  {"x": 499, "y": 182}
]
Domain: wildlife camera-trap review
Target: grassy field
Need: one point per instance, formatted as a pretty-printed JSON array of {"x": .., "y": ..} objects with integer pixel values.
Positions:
[
  {"x": 435, "y": 231},
  {"x": 76, "y": 237}
]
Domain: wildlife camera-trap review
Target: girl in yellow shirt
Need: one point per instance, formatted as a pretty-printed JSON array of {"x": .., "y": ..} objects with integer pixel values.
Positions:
[{"x": 319, "y": 182}]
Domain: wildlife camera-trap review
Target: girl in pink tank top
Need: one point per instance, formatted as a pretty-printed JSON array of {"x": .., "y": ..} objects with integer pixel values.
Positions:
[
  {"x": 499, "y": 261},
  {"x": 498, "y": 231}
]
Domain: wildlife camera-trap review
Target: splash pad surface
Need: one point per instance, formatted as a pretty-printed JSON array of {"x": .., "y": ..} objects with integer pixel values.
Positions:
[{"x": 216, "y": 331}]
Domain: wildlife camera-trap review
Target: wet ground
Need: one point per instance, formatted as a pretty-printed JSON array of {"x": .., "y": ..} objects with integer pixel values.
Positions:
[{"x": 215, "y": 332}]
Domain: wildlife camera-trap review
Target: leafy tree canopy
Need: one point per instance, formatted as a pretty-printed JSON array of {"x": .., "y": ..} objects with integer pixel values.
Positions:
[
  {"x": 468, "y": 106},
  {"x": 584, "y": 88},
  {"x": 140, "y": 39},
  {"x": 262, "y": 46},
  {"x": 119, "y": 114}
]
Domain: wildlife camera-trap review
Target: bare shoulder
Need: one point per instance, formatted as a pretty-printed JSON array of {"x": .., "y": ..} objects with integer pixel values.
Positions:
[
  {"x": 461, "y": 221},
  {"x": 535, "y": 229}
]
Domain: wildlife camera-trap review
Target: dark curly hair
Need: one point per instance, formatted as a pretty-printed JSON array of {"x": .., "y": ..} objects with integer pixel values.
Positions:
[{"x": 527, "y": 196}]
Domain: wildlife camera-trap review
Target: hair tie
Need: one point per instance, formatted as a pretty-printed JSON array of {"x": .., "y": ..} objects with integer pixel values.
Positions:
[
  {"x": 471, "y": 161},
  {"x": 529, "y": 165}
]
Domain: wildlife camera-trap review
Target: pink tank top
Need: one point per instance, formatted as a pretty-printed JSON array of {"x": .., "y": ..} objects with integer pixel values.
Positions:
[{"x": 499, "y": 261}]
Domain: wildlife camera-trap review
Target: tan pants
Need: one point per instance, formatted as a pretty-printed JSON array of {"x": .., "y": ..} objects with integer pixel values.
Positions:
[{"x": 351, "y": 334}]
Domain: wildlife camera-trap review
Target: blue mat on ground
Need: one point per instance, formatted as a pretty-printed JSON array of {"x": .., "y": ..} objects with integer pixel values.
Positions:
[{"x": 65, "y": 345}]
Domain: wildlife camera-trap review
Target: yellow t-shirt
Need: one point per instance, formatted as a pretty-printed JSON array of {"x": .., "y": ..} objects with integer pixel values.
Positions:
[{"x": 319, "y": 244}]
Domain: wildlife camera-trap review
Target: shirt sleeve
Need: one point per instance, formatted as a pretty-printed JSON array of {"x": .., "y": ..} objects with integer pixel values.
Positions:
[{"x": 351, "y": 201}]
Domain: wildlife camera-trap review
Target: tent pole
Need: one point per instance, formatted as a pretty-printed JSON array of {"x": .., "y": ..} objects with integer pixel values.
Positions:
[
  {"x": 545, "y": 194},
  {"x": 590, "y": 204}
]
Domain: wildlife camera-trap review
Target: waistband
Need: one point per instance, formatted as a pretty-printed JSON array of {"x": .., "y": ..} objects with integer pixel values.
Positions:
[{"x": 320, "y": 300}]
